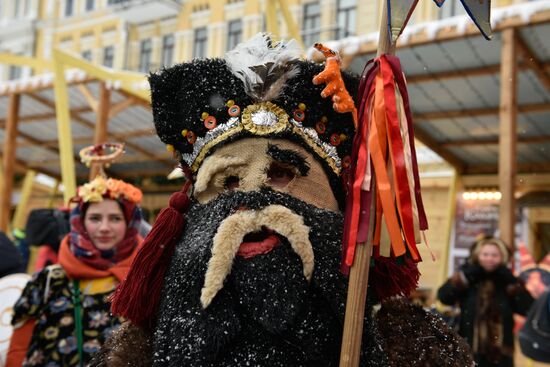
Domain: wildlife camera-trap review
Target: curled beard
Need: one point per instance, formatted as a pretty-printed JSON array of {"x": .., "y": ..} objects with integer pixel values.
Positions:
[{"x": 267, "y": 313}]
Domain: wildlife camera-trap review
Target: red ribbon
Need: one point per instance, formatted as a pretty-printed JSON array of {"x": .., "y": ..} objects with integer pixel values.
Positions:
[{"x": 378, "y": 141}]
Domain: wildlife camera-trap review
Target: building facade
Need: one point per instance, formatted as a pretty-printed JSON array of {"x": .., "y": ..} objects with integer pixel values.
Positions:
[
  {"x": 143, "y": 35},
  {"x": 17, "y": 34}
]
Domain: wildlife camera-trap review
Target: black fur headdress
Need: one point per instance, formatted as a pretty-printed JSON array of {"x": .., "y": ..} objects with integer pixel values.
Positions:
[{"x": 259, "y": 89}]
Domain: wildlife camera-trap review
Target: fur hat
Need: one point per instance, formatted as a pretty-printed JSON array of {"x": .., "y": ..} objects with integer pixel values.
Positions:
[{"x": 260, "y": 89}]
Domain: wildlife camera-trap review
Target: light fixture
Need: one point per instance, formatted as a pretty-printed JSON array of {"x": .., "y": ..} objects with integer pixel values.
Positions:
[{"x": 482, "y": 195}]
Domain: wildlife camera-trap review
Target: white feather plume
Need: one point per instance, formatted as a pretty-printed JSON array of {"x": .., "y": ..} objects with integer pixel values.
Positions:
[{"x": 264, "y": 66}]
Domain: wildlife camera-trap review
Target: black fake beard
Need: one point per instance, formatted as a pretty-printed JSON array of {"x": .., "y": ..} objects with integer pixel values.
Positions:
[{"x": 266, "y": 305}]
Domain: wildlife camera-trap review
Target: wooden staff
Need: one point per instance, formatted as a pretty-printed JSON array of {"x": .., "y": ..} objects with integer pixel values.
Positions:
[{"x": 359, "y": 272}]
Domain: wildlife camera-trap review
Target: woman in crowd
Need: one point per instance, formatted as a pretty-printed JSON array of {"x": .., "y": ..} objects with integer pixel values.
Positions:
[
  {"x": 63, "y": 315},
  {"x": 488, "y": 294}
]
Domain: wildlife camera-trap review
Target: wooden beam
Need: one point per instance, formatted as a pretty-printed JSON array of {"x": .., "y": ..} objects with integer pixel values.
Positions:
[
  {"x": 290, "y": 23},
  {"x": 123, "y": 159},
  {"x": 453, "y": 33},
  {"x": 92, "y": 102},
  {"x": 24, "y": 88},
  {"x": 493, "y": 141},
  {"x": 139, "y": 101},
  {"x": 160, "y": 171},
  {"x": 42, "y": 116},
  {"x": 90, "y": 139},
  {"x": 9, "y": 160},
  {"x": 476, "y": 112},
  {"x": 102, "y": 120},
  {"x": 54, "y": 149},
  {"x": 31, "y": 118},
  {"x": 22, "y": 207},
  {"x": 491, "y": 169},
  {"x": 437, "y": 148},
  {"x": 456, "y": 185},
  {"x": 471, "y": 72},
  {"x": 116, "y": 137},
  {"x": 121, "y": 106},
  {"x": 63, "y": 118},
  {"x": 272, "y": 24},
  {"x": 55, "y": 143},
  {"x": 508, "y": 136},
  {"x": 23, "y": 167},
  {"x": 453, "y": 74},
  {"x": 530, "y": 59},
  {"x": 2, "y": 174}
]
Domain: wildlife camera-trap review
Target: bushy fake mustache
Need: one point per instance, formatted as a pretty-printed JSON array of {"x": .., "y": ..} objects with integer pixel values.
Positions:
[{"x": 230, "y": 235}]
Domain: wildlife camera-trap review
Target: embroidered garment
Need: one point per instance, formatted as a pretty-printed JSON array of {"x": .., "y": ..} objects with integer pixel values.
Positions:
[{"x": 49, "y": 299}]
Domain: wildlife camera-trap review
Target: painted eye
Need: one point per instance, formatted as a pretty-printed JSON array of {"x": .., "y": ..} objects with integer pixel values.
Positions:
[
  {"x": 280, "y": 175},
  {"x": 231, "y": 182}
]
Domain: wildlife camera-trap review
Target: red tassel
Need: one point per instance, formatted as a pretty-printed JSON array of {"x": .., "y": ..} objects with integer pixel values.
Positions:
[
  {"x": 137, "y": 297},
  {"x": 391, "y": 279}
]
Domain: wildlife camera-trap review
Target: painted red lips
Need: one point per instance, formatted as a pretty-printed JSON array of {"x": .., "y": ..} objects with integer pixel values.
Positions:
[{"x": 258, "y": 243}]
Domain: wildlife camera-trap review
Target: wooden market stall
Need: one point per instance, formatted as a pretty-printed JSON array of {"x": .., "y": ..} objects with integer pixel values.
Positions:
[
  {"x": 46, "y": 119},
  {"x": 483, "y": 106}
]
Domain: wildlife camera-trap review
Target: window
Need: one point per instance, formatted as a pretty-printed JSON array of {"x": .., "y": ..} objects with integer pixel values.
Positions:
[
  {"x": 90, "y": 4},
  {"x": 168, "y": 50},
  {"x": 108, "y": 56},
  {"x": 87, "y": 55},
  {"x": 451, "y": 8},
  {"x": 345, "y": 18},
  {"x": 69, "y": 7},
  {"x": 199, "y": 42},
  {"x": 311, "y": 23},
  {"x": 17, "y": 9},
  {"x": 15, "y": 72},
  {"x": 28, "y": 10},
  {"x": 145, "y": 56},
  {"x": 234, "y": 33}
]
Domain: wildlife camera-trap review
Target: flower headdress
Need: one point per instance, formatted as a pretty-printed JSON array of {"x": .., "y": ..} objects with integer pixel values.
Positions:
[{"x": 101, "y": 186}]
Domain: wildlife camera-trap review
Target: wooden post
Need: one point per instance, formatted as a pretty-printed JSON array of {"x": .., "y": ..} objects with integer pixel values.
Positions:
[
  {"x": 9, "y": 160},
  {"x": 291, "y": 24},
  {"x": 350, "y": 352},
  {"x": 456, "y": 186},
  {"x": 18, "y": 221},
  {"x": 102, "y": 120},
  {"x": 53, "y": 194},
  {"x": 1, "y": 173},
  {"x": 64, "y": 129},
  {"x": 508, "y": 136},
  {"x": 272, "y": 26}
]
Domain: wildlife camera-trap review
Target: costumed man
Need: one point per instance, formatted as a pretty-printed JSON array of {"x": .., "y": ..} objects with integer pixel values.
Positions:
[{"x": 243, "y": 268}]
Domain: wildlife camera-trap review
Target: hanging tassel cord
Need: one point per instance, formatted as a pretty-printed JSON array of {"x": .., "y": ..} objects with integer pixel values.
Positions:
[
  {"x": 137, "y": 297},
  {"x": 383, "y": 155}
]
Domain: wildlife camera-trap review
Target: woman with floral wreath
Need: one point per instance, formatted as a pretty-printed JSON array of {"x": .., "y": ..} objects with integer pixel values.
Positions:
[{"x": 63, "y": 316}]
